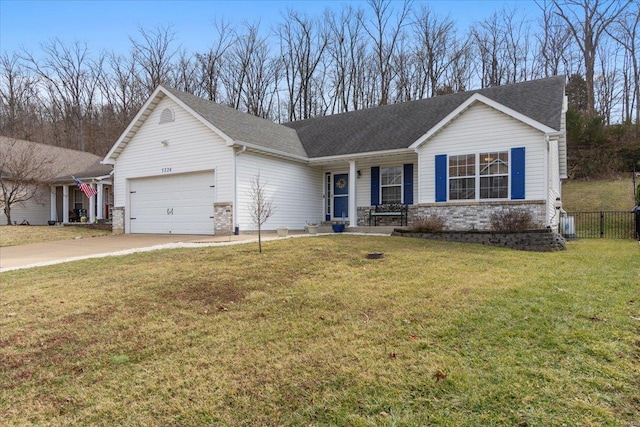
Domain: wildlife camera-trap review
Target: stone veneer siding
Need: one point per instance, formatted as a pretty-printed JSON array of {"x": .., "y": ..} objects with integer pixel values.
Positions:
[
  {"x": 458, "y": 216},
  {"x": 223, "y": 213},
  {"x": 117, "y": 220},
  {"x": 534, "y": 240}
]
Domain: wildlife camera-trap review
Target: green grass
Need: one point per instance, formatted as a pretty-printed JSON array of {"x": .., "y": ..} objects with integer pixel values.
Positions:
[
  {"x": 312, "y": 333},
  {"x": 608, "y": 195},
  {"x": 11, "y": 235}
]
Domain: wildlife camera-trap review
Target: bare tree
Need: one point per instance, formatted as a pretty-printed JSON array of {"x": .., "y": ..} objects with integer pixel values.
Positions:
[
  {"x": 154, "y": 53},
  {"x": 302, "y": 46},
  {"x": 458, "y": 75},
  {"x": 24, "y": 171},
  {"x": 122, "y": 90},
  {"x": 517, "y": 46},
  {"x": 348, "y": 52},
  {"x": 18, "y": 96},
  {"x": 385, "y": 36},
  {"x": 184, "y": 74},
  {"x": 605, "y": 85},
  {"x": 260, "y": 207},
  {"x": 626, "y": 31},
  {"x": 212, "y": 62},
  {"x": 435, "y": 49},
  {"x": 554, "y": 42},
  {"x": 70, "y": 78},
  {"x": 588, "y": 20},
  {"x": 250, "y": 74}
]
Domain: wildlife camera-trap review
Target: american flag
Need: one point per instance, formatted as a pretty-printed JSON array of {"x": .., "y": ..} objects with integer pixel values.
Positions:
[{"x": 85, "y": 188}]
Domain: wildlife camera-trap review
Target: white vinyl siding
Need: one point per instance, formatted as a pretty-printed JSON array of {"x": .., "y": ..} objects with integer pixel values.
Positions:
[
  {"x": 483, "y": 129},
  {"x": 294, "y": 188},
  {"x": 190, "y": 147},
  {"x": 363, "y": 184},
  {"x": 182, "y": 146},
  {"x": 36, "y": 211}
]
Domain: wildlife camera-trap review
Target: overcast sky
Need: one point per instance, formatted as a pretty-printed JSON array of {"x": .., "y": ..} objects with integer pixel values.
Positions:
[{"x": 107, "y": 25}]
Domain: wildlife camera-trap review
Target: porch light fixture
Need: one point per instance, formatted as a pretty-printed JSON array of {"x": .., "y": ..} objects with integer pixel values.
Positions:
[
  {"x": 164, "y": 142},
  {"x": 359, "y": 173}
]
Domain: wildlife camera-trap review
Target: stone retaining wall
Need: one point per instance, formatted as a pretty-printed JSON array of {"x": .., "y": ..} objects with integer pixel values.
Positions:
[{"x": 534, "y": 240}]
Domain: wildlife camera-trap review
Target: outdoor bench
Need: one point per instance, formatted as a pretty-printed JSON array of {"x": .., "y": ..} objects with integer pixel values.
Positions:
[{"x": 389, "y": 210}]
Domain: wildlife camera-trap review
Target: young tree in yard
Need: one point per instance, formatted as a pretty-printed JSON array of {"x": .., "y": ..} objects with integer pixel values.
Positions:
[
  {"x": 260, "y": 207},
  {"x": 23, "y": 173}
]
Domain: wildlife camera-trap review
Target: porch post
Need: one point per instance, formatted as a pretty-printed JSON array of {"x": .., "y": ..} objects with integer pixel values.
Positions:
[
  {"x": 65, "y": 204},
  {"x": 54, "y": 209},
  {"x": 100, "y": 202},
  {"x": 353, "y": 214},
  {"x": 92, "y": 207}
]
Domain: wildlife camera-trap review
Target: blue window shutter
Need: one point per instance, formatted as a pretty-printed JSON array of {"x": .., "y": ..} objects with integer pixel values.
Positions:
[
  {"x": 375, "y": 185},
  {"x": 408, "y": 183},
  {"x": 441, "y": 178},
  {"x": 517, "y": 173}
]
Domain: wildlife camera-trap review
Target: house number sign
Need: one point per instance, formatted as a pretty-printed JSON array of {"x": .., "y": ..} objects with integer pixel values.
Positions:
[
  {"x": 166, "y": 170},
  {"x": 169, "y": 211}
]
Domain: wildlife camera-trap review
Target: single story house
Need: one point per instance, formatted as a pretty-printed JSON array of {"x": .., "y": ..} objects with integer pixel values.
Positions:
[
  {"x": 60, "y": 199},
  {"x": 186, "y": 165}
]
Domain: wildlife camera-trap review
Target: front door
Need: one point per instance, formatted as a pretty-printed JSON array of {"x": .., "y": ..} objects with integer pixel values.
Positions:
[{"x": 341, "y": 196}]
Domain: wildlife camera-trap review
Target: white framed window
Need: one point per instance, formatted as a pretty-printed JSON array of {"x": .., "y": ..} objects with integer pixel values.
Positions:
[
  {"x": 494, "y": 175},
  {"x": 391, "y": 184},
  {"x": 462, "y": 177},
  {"x": 479, "y": 176}
]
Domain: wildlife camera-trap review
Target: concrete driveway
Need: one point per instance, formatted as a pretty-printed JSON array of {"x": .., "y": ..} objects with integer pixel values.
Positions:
[{"x": 40, "y": 254}]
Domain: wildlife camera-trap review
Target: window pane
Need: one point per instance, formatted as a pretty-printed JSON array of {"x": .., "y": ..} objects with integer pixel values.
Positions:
[
  {"x": 462, "y": 188},
  {"x": 494, "y": 187},
  {"x": 391, "y": 194},
  {"x": 391, "y": 176},
  {"x": 494, "y": 172},
  {"x": 494, "y": 163},
  {"x": 463, "y": 165},
  {"x": 391, "y": 185}
]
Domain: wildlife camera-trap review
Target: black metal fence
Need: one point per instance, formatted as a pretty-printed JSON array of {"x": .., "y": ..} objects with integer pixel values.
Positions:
[{"x": 600, "y": 224}]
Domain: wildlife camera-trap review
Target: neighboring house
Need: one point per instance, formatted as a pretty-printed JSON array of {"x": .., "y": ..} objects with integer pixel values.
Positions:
[
  {"x": 61, "y": 200},
  {"x": 185, "y": 164}
]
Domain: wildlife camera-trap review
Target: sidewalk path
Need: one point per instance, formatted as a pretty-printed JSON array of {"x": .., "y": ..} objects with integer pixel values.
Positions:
[{"x": 48, "y": 253}]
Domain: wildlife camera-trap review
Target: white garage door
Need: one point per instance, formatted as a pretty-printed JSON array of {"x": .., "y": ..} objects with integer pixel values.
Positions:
[{"x": 173, "y": 204}]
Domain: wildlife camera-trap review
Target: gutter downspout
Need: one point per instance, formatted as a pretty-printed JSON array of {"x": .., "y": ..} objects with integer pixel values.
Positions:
[
  {"x": 553, "y": 189},
  {"x": 236, "y": 153}
]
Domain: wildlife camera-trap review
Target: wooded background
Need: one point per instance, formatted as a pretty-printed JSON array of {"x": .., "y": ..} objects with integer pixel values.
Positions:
[{"x": 346, "y": 59}]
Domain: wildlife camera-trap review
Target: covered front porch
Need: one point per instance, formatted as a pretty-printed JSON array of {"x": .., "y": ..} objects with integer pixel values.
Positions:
[
  {"x": 353, "y": 187},
  {"x": 70, "y": 205}
]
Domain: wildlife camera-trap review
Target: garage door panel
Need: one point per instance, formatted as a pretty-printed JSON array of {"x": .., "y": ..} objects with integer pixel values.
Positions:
[{"x": 176, "y": 204}]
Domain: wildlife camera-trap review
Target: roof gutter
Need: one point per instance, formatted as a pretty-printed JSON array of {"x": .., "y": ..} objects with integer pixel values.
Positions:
[
  {"x": 267, "y": 150},
  {"x": 356, "y": 156}
]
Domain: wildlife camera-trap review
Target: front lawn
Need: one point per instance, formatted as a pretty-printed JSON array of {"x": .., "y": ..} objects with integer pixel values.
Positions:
[
  {"x": 313, "y": 333},
  {"x": 12, "y": 235}
]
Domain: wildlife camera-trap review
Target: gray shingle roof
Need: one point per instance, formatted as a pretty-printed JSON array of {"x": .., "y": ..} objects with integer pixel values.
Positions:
[
  {"x": 244, "y": 127},
  {"x": 67, "y": 162},
  {"x": 397, "y": 126}
]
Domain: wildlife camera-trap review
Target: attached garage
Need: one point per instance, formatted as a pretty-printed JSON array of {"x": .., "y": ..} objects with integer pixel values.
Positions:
[{"x": 173, "y": 204}]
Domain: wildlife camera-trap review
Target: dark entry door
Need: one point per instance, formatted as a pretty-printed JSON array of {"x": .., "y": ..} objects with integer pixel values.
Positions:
[{"x": 341, "y": 195}]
